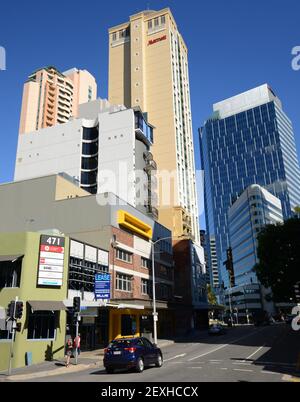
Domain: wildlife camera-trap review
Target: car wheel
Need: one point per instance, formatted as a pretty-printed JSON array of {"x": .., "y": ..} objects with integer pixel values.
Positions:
[
  {"x": 110, "y": 370},
  {"x": 140, "y": 365},
  {"x": 159, "y": 361}
]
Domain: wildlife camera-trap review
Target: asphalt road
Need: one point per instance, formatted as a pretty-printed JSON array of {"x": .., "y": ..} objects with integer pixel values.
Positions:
[{"x": 248, "y": 354}]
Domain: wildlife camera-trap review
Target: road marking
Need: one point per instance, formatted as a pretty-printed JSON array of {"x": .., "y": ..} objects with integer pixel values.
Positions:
[
  {"x": 196, "y": 368},
  {"x": 244, "y": 370},
  {"x": 223, "y": 368},
  {"x": 216, "y": 361},
  {"x": 269, "y": 372},
  {"x": 253, "y": 354},
  {"x": 277, "y": 364},
  {"x": 175, "y": 357},
  {"x": 242, "y": 364},
  {"x": 224, "y": 346}
]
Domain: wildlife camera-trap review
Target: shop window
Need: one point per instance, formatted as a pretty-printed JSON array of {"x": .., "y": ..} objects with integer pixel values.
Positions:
[
  {"x": 42, "y": 325},
  {"x": 5, "y": 335},
  {"x": 10, "y": 274}
]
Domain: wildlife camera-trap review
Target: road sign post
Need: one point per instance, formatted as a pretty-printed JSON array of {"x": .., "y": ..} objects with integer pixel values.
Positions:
[{"x": 11, "y": 351}]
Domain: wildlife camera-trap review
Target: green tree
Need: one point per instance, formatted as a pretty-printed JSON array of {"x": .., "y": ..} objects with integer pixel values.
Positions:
[
  {"x": 279, "y": 258},
  {"x": 212, "y": 299}
]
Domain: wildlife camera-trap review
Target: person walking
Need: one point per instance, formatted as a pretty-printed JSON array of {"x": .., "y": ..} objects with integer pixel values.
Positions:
[
  {"x": 69, "y": 351},
  {"x": 76, "y": 344}
]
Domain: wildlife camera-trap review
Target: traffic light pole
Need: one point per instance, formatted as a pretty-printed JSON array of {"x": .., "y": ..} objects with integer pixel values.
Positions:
[
  {"x": 11, "y": 352},
  {"x": 76, "y": 338}
]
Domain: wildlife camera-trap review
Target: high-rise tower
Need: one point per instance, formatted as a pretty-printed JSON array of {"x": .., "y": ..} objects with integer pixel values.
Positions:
[
  {"x": 148, "y": 67},
  {"x": 248, "y": 140}
]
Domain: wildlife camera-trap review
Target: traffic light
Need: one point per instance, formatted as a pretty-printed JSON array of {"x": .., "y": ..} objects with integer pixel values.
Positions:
[
  {"x": 19, "y": 310},
  {"x": 18, "y": 327},
  {"x": 11, "y": 310},
  {"x": 76, "y": 304}
]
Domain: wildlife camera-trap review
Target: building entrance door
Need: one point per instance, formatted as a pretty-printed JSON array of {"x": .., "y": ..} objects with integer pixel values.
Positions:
[{"x": 88, "y": 341}]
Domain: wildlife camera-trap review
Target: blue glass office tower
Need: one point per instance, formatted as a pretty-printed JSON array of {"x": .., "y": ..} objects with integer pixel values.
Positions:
[{"x": 249, "y": 140}]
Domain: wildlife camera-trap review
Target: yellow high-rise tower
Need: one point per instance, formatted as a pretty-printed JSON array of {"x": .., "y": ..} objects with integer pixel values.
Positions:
[{"x": 148, "y": 67}]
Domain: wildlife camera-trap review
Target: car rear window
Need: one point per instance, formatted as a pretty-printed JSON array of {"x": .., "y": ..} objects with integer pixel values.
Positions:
[{"x": 122, "y": 343}]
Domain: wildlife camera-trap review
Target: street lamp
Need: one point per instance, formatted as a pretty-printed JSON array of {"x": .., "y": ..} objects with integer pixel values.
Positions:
[{"x": 155, "y": 315}]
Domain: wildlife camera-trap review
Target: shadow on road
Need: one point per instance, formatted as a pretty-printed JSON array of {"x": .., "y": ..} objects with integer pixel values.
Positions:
[{"x": 282, "y": 344}]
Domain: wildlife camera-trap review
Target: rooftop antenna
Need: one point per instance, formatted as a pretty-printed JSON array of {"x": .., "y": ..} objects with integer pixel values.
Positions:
[{"x": 148, "y": 5}]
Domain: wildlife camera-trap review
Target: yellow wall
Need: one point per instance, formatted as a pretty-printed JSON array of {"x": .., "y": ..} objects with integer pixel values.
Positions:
[
  {"x": 115, "y": 317},
  {"x": 28, "y": 244}
]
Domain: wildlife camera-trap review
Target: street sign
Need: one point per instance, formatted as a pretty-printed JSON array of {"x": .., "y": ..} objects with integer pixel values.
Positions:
[
  {"x": 102, "y": 286},
  {"x": 51, "y": 261}
]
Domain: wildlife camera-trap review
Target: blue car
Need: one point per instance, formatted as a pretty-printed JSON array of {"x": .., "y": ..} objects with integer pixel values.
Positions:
[{"x": 131, "y": 353}]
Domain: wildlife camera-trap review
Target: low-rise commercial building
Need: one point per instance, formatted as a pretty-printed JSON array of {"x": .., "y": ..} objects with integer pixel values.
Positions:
[{"x": 105, "y": 233}]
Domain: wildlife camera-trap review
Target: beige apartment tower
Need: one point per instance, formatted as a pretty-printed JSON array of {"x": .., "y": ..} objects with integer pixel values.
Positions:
[
  {"x": 51, "y": 97},
  {"x": 148, "y": 67}
]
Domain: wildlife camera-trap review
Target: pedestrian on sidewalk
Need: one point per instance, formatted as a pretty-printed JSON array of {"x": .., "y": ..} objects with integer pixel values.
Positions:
[
  {"x": 76, "y": 344},
  {"x": 69, "y": 351}
]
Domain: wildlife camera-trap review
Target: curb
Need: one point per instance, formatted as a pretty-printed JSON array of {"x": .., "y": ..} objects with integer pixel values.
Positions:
[
  {"x": 51, "y": 373},
  {"x": 63, "y": 370}
]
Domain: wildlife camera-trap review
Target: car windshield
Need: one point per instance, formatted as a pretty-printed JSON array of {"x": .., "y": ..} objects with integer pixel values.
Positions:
[{"x": 121, "y": 343}]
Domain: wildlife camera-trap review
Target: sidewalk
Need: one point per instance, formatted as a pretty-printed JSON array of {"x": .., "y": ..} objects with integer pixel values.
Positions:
[{"x": 86, "y": 360}]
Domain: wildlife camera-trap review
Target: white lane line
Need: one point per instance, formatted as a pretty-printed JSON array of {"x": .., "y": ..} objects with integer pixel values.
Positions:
[
  {"x": 223, "y": 368},
  {"x": 242, "y": 364},
  {"x": 269, "y": 372},
  {"x": 196, "y": 368},
  {"x": 224, "y": 346},
  {"x": 243, "y": 370},
  {"x": 254, "y": 353},
  {"x": 208, "y": 353},
  {"x": 175, "y": 357}
]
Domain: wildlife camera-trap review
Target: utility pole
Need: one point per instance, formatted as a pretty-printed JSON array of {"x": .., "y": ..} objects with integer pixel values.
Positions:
[{"x": 11, "y": 352}]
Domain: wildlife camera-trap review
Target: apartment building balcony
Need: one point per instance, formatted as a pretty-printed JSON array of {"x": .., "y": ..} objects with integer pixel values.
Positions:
[
  {"x": 143, "y": 130},
  {"x": 150, "y": 166},
  {"x": 152, "y": 211}
]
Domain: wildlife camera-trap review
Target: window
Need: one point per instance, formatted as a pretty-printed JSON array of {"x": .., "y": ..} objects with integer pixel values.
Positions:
[
  {"x": 5, "y": 335},
  {"x": 145, "y": 287},
  {"x": 156, "y": 22},
  {"x": 146, "y": 263},
  {"x": 123, "y": 282},
  {"x": 163, "y": 20},
  {"x": 150, "y": 24},
  {"x": 82, "y": 271},
  {"x": 124, "y": 255},
  {"x": 114, "y": 36},
  {"x": 10, "y": 274},
  {"x": 42, "y": 325}
]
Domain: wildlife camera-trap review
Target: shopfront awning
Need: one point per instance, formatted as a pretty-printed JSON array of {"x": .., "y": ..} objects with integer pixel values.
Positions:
[
  {"x": 10, "y": 258},
  {"x": 43, "y": 305}
]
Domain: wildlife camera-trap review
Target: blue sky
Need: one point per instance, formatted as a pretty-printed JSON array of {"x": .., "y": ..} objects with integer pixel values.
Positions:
[{"x": 234, "y": 45}]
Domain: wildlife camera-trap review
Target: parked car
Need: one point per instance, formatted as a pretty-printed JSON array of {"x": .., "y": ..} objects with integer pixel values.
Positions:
[
  {"x": 289, "y": 318},
  {"x": 217, "y": 329},
  {"x": 131, "y": 353}
]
